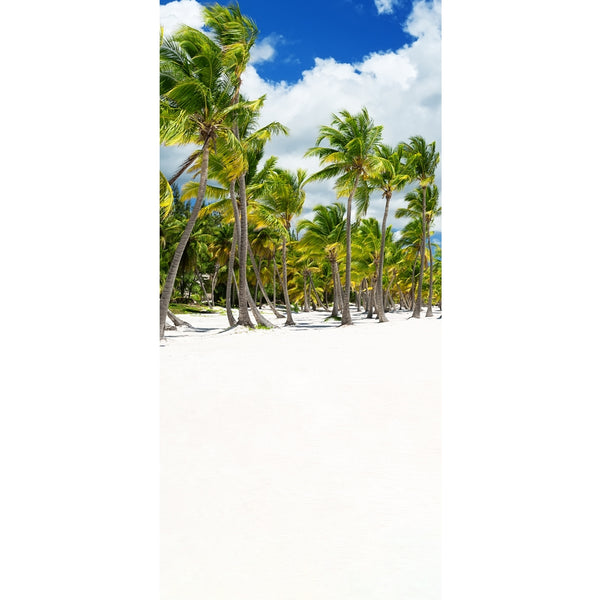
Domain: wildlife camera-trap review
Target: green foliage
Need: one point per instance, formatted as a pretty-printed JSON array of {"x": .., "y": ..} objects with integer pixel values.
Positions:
[{"x": 200, "y": 103}]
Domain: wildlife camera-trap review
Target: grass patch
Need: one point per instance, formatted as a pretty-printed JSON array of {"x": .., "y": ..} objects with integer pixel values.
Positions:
[
  {"x": 195, "y": 309},
  {"x": 333, "y": 319}
]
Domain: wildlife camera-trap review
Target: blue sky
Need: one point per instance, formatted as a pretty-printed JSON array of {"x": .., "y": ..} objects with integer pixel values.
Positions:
[
  {"x": 303, "y": 31},
  {"x": 315, "y": 58},
  {"x": 345, "y": 29}
]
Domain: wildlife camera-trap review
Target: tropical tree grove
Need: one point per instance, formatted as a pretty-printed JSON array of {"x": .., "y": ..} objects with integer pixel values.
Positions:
[{"x": 244, "y": 235}]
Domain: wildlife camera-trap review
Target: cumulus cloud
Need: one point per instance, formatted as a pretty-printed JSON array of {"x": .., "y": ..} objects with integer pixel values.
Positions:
[
  {"x": 401, "y": 90},
  {"x": 385, "y": 7},
  {"x": 265, "y": 50},
  {"x": 180, "y": 12}
]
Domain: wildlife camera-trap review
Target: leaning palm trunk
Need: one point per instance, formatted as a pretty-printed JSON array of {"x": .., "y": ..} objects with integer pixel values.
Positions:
[
  {"x": 390, "y": 301},
  {"x": 201, "y": 282},
  {"x": 379, "y": 291},
  {"x": 259, "y": 282},
  {"x": 403, "y": 301},
  {"x": 260, "y": 319},
  {"x": 176, "y": 320},
  {"x": 417, "y": 309},
  {"x": 256, "y": 290},
  {"x": 429, "y": 311},
  {"x": 213, "y": 284},
  {"x": 346, "y": 318},
  {"x": 314, "y": 289},
  {"x": 412, "y": 283},
  {"x": 388, "y": 293},
  {"x": 286, "y": 296},
  {"x": 169, "y": 284}
]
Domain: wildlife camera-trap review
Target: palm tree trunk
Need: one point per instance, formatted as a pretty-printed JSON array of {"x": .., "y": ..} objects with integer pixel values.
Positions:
[
  {"x": 337, "y": 288},
  {"x": 260, "y": 319},
  {"x": 306, "y": 307},
  {"x": 256, "y": 271},
  {"x": 429, "y": 311},
  {"x": 389, "y": 295},
  {"x": 244, "y": 316},
  {"x": 231, "y": 266},
  {"x": 379, "y": 292},
  {"x": 412, "y": 283},
  {"x": 176, "y": 320},
  {"x": 346, "y": 318},
  {"x": 201, "y": 282},
  {"x": 259, "y": 282},
  {"x": 286, "y": 296},
  {"x": 213, "y": 284},
  {"x": 314, "y": 289},
  {"x": 403, "y": 301},
  {"x": 417, "y": 309},
  {"x": 169, "y": 284},
  {"x": 371, "y": 301},
  {"x": 275, "y": 279}
]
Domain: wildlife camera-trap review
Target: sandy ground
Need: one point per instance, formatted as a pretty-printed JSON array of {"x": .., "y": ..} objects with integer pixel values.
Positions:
[{"x": 301, "y": 463}]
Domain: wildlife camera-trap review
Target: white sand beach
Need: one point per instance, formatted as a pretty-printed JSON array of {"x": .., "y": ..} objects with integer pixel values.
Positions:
[{"x": 302, "y": 462}]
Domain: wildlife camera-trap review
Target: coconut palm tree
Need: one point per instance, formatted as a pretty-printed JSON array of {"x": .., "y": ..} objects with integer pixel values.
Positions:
[
  {"x": 414, "y": 210},
  {"x": 236, "y": 35},
  {"x": 423, "y": 160},
  {"x": 197, "y": 106},
  {"x": 252, "y": 142},
  {"x": 349, "y": 157},
  {"x": 368, "y": 252},
  {"x": 410, "y": 241},
  {"x": 391, "y": 175},
  {"x": 325, "y": 234},
  {"x": 281, "y": 199}
]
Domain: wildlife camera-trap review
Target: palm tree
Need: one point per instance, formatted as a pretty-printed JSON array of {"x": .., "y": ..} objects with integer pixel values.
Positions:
[
  {"x": 253, "y": 143},
  {"x": 391, "y": 176},
  {"x": 352, "y": 140},
  {"x": 369, "y": 256},
  {"x": 236, "y": 35},
  {"x": 423, "y": 162},
  {"x": 196, "y": 107},
  {"x": 410, "y": 241},
  {"x": 281, "y": 200},
  {"x": 414, "y": 210},
  {"x": 325, "y": 233}
]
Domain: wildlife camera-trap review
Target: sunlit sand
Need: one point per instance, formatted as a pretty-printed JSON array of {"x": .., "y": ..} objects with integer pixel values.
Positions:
[{"x": 301, "y": 462}]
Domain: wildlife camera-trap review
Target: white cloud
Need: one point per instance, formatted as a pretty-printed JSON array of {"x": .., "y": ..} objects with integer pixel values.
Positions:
[
  {"x": 180, "y": 12},
  {"x": 385, "y": 7},
  {"x": 401, "y": 89},
  {"x": 264, "y": 50}
]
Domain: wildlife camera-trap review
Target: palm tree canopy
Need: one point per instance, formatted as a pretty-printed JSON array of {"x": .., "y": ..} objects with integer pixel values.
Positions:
[
  {"x": 282, "y": 197},
  {"x": 423, "y": 160},
  {"x": 197, "y": 95},
  {"x": 235, "y": 33},
  {"x": 390, "y": 175},
  {"x": 352, "y": 141},
  {"x": 326, "y": 231},
  {"x": 414, "y": 208}
]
